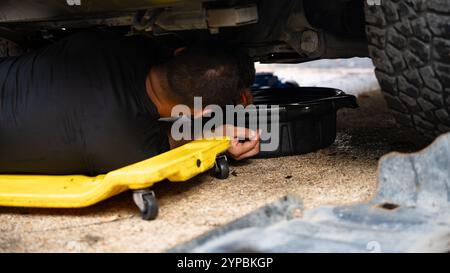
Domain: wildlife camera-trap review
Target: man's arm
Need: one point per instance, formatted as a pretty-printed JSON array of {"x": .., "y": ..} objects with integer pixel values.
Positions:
[{"x": 244, "y": 142}]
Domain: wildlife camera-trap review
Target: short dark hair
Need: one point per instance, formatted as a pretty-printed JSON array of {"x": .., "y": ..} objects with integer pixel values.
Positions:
[
  {"x": 246, "y": 68},
  {"x": 207, "y": 70}
]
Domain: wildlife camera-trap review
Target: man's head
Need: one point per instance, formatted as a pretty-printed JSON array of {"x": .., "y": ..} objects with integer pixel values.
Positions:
[{"x": 207, "y": 70}]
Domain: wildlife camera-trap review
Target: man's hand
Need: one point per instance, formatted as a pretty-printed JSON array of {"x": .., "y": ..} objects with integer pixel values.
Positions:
[{"x": 244, "y": 142}]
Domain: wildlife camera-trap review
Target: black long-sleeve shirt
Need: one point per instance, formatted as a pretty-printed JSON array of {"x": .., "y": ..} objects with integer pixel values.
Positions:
[{"x": 78, "y": 106}]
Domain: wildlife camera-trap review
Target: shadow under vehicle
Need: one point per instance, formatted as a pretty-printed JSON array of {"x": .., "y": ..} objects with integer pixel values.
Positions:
[{"x": 408, "y": 40}]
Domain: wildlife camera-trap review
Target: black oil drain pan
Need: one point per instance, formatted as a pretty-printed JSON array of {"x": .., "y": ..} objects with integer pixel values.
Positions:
[{"x": 307, "y": 117}]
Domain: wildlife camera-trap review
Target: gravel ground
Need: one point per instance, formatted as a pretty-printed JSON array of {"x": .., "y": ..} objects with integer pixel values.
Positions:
[{"x": 342, "y": 173}]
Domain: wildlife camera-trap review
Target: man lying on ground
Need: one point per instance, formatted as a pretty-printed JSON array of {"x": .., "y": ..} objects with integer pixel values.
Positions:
[{"x": 90, "y": 103}]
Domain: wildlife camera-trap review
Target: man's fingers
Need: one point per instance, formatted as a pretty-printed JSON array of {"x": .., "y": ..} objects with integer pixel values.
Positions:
[
  {"x": 245, "y": 133},
  {"x": 250, "y": 153},
  {"x": 238, "y": 150},
  {"x": 234, "y": 132},
  {"x": 240, "y": 132},
  {"x": 241, "y": 152},
  {"x": 244, "y": 146}
]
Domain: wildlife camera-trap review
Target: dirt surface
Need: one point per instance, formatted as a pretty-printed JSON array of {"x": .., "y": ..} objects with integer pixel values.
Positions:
[{"x": 343, "y": 173}]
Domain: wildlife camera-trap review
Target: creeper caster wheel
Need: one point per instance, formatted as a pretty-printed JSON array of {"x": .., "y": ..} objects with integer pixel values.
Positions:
[
  {"x": 146, "y": 201},
  {"x": 221, "y": 168}
]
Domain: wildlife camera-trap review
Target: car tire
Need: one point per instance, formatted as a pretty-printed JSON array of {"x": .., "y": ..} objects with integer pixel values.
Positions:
[{"x": 409, "y": 43}]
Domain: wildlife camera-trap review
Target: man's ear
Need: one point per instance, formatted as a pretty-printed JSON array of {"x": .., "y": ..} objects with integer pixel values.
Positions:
[
  {"x": 246, "y": 97},
  {"x": 178, "y": 51}
]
